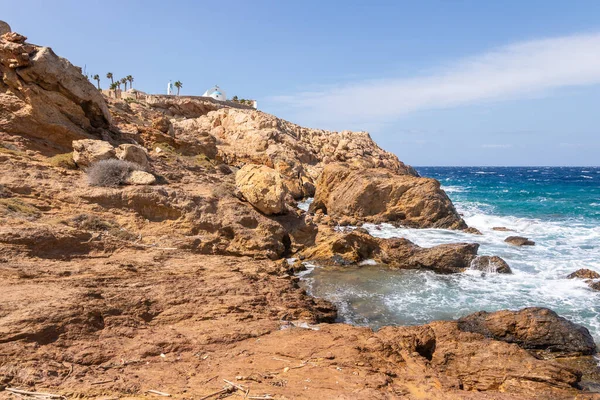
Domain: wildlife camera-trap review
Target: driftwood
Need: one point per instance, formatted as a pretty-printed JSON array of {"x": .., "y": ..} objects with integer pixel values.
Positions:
[
  {"x": 156, "y": 392},
  {"x": 39, "y": 395},
  {"x": 101, "y": 382},
  {"x": 228, "y": 389}
]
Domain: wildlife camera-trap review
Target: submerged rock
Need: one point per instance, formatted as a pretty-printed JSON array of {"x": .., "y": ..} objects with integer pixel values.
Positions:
[
  {"x": 592, "y": 278},
  {"x": 532, "y": 328},
  {"x": 584, "y": 273},
  {"x": 493, "y": 264},
  {"x": 380, "y": 195},
  {"x": 472, "y": 231},
  {"x": 519, "y": 241},
  {"x": 502, "y": 229}
]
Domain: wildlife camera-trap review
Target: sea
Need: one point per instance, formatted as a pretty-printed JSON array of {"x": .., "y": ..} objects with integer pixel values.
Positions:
[{"x": 557, "y": 207}]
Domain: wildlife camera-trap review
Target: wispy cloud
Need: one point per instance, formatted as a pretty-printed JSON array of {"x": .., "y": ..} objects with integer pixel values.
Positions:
[{"x": 513, "y": 71}]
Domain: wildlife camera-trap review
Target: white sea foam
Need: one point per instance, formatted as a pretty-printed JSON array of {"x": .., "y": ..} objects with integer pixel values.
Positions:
[
  {"x": 371, "y": 295},
  {"x": 304, "y": 204},
  {"x": 454, "y": 189}
]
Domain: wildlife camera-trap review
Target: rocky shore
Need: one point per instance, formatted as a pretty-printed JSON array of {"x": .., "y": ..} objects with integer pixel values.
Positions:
[{"x": 165, "y": 269}]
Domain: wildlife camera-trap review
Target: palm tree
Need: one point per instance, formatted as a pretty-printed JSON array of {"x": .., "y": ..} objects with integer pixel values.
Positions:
[
  {"x": 178, "y": 85},
  {"x": 113, "y": 87},
  {"x": 97, "y": 78},
  {"x": 124, "y": 82},
  {"x": 130, "y": 80},
  {"x": 110, "y": 76},
  {"x": 118, "y": 83}
]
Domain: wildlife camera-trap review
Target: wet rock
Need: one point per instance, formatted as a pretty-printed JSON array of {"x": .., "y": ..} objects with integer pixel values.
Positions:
[
  {"x": 89, "y": 151},
  {"x": 356, "y": 246},
  {"x": 262, "y": 187},
  {"x": 472, "y": 231},
  {"x": 532, "y": 328},
  {"x": 491, "y": 264},
  {"x": 502, "y": 229},
  {"x": 380, "y": 195},
  {"x": 519, "y": 241},
  {"x": 133, "y": 153},
  {"x": 584, "y": 273}
]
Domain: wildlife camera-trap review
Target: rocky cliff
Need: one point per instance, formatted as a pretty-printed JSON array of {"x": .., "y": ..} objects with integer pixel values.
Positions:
[{"x": 178, "y": 282}]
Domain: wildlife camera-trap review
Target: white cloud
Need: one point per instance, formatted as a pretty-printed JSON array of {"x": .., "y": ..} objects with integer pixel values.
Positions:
[{"x": 513, "y": 71}]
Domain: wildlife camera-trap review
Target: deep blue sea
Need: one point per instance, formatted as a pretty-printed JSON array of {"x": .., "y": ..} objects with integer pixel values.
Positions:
[{"x": 558, "y": 208}]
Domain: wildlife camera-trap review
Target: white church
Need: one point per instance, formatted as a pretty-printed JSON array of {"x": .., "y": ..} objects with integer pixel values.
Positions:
[{"x": 216, "y": 93}]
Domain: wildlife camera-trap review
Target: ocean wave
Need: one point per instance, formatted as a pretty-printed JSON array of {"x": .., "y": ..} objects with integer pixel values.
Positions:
[{"x": 454, "y": 189}]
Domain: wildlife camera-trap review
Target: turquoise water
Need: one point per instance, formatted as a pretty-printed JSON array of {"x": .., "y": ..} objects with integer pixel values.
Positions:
[{"x": 558, "y": 208}]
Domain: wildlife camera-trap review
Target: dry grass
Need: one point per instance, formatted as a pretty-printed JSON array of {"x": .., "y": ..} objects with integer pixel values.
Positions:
[
  {"x": 63, "y": 160},
  {"x": 18, "y": 206}
]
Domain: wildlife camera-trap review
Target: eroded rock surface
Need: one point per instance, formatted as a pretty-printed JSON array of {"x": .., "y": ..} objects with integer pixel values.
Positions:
[
  {"x": 356, "y": 246},
  {"x": 262, "y": 187},
  {"x": 379, "y": 195},
  {"x": 89, "y": 151},
  {"x": 45, "y": 99},
  {"x": 179, "y": 285},
  {"x": 531, "y": 328}
]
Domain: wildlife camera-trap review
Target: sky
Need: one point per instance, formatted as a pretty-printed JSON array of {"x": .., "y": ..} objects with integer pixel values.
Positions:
[{"x": 449, "y": 82}]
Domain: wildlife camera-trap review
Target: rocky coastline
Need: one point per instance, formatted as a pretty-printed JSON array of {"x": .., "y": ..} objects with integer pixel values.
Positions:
[{"x": 172, "y": 276}]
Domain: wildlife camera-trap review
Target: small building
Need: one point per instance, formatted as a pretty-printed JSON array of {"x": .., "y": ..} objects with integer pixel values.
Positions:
[{"x": 216, "y": 93}]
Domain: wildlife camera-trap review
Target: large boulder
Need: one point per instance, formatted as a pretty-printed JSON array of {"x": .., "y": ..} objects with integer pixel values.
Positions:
[
  {"x": 88, "y": 151},
  {"x": 133, "y": 153},
  {"x": 380, "y": 195},
  {"x": 357, "y": 245},
  {"x": 47, "y": 100},
  {"x": 531, "y": 328},
  {"x": 472, "y": 362},
  {"x": 262, "y": 187},
  {"x": 140, "y": 178}
]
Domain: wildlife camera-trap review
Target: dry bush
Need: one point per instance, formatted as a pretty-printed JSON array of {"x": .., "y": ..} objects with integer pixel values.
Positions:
[
  {"x": 111, "y": 173},
  {"x": 63, "y": 160},
  {"x": 18, "y": 206},
  {"x": 90, "y": 223}
]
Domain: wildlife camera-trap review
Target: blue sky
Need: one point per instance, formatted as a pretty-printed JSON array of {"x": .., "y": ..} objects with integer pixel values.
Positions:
[{"x": 436, "y": 82}]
